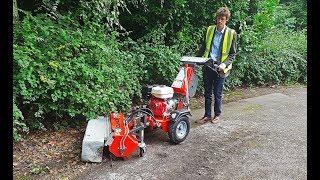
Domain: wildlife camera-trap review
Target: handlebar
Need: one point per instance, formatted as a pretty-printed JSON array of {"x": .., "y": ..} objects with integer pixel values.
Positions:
[{"x": 213, "y": 65}]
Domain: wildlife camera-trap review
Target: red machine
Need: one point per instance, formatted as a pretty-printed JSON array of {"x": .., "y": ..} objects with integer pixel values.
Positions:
[{"x": 166, "y": 108}]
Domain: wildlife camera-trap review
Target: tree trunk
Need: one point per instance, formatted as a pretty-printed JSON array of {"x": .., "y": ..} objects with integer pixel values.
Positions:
[{"x": 15, "y": 11}]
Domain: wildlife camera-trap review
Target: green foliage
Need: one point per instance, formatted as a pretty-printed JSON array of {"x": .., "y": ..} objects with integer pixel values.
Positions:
[
  {"x": 38, "y": 169},
  {"x": 280, "y": 58},
  {"x": 187, "y": 40},
  {"x": 61, "y": 70},
  {"x": 284, "y": 40},
  {"x": 291, "y": 15},
  {"x": 295, "y": 14},
  {"x": 161, "y": 64},
  {"x": 18, "y": 124},
  {"x": 264, "y": 18},
  {"x": 157, "y": 63}
]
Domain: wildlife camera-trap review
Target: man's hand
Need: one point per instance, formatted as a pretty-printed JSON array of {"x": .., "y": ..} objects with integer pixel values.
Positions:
[
  {"x": 222, "y": 66},
  {"x": 213, "y": 59},
  {"x": 210, "y": 62}
]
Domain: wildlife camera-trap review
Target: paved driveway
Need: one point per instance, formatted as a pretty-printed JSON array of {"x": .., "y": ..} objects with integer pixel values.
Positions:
[{"x": 258, "y": 138}]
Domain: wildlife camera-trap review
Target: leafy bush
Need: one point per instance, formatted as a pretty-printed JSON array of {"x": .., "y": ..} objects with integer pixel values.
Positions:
[
  {"x": 18, "y": 124},
  {"x": 61, "y": 70},
  {"x": 158, "y": 64},
  {"x": 264, "y": 19},
  {"x": 292, "y": 14},
  {"x": 280, "y": 58}
]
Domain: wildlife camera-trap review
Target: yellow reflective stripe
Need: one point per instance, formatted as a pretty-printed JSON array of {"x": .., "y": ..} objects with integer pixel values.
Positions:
[
  {"x": 208, "y": 39},
  {"x": 208, "y": 33},
  {"x": 230, "y": 38},
  {"x": 224, "y": 46},
  {"x": 227, "y": 40},
  {"x": 209, "y": 36}
]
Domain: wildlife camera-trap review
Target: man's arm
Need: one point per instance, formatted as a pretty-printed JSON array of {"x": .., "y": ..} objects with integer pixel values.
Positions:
[{"x": 233, "y": 50}]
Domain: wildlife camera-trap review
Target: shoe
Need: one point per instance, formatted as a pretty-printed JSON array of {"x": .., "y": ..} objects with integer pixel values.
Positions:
[
  {"x": 215, "y": 120},
  {"x": 203, "y": 120}
]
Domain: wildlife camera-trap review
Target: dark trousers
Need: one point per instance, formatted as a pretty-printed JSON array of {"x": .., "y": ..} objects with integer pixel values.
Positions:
[{"x": 212, "y": 82}]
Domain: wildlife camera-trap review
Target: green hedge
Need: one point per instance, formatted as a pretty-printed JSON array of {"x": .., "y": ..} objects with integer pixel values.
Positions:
[
  {"x": 61, "y": 71},
  {"x": 280, "y": 57}
]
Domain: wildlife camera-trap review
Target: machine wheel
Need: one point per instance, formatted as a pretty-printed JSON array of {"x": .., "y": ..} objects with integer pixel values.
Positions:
[{"x": 179, "y": 130}]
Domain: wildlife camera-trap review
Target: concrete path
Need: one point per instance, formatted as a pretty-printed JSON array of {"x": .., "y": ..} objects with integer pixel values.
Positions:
[{"x": 258, "y": 138}]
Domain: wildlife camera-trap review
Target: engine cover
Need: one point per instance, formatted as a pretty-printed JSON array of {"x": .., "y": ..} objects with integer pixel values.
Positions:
[
  {"x": 158, "y": 106},
  {"x": 162, "y": 92}
]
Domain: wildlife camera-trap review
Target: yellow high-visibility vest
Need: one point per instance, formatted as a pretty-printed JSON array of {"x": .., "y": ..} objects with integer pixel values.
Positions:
[{"x": 226, "y": 44}]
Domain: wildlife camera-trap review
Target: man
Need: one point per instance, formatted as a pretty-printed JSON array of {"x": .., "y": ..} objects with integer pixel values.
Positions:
[{"x": 219, "y": 44}]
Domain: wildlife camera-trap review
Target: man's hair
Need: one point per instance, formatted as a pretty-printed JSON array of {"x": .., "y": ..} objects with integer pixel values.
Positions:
[{"x": 223, "y": 11}]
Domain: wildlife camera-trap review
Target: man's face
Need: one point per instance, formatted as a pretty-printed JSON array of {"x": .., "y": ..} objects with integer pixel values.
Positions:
[{"x": 221, "y": 21}]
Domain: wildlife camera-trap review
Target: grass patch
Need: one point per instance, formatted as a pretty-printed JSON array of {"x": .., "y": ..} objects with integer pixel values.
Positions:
[{"x": 252, "y": 107}]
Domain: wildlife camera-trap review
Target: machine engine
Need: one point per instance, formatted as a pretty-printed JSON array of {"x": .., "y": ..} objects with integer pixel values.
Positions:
[
  {"x": 162, "y": 101},
  {"x": 162, "y": 107}
]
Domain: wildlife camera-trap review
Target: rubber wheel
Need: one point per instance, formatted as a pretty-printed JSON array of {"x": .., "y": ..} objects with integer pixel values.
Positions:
[{"x": 179, "y": 130}]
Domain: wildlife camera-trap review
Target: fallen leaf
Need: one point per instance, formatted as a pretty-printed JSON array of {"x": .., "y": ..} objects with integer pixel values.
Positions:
[
  {"x": 52, "y": 143},
  {"x": 47, "y": 155}
]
